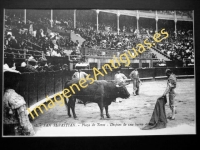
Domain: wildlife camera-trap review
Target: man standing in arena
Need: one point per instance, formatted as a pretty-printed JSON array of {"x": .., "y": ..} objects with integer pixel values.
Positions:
[
  {"x": 134, "y": 75},
  {"x": 120, "y": 79},
  {"x": 78, "y": 74},
  {"x": 171, "y": 85}
]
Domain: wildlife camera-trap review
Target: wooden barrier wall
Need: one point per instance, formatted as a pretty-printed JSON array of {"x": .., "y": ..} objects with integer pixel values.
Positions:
[{"x": 36, "y": 86}]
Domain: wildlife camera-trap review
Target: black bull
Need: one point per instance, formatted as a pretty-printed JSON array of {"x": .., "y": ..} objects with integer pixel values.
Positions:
[{"x": 101, "y": 92}]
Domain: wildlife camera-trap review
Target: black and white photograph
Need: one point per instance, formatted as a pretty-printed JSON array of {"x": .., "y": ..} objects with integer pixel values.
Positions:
[{"x": 98, "y": 72}]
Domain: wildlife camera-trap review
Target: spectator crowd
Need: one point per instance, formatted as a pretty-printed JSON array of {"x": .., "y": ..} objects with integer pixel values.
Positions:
[{"x": 38, "y": 39}]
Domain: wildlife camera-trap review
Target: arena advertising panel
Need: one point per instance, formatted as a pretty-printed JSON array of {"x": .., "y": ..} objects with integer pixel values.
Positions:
[{"x": 98, "y": 72}]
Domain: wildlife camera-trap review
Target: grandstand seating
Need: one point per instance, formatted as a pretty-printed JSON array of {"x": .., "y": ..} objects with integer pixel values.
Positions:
[
  {"x": 160, "y": 55},
  {"x": 90, "y": 38}
]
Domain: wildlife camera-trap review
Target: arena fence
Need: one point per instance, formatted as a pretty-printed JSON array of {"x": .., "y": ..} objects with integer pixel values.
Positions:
[{"x": 36, "y": 86}]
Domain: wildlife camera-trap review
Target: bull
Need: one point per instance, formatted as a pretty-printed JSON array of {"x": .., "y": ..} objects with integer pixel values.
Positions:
[{"x": 100, "y": 91}]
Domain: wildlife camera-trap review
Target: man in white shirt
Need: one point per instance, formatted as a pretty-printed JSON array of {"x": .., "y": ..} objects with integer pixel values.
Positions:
[
  {"x": 78, "y": 75},
  {"x": 120, "y": 79}
]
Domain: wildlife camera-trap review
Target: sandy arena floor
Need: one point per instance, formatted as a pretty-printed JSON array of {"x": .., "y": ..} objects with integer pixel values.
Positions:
[{"x": 127, "y": 117}]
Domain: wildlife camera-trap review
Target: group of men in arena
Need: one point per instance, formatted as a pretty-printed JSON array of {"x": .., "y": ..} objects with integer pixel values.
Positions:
[{"x": 121, "y": 79}]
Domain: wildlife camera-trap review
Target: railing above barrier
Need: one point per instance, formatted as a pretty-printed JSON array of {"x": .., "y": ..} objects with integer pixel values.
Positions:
[
  {"x": 22, "y": 53},
  {"x": 89, "y": 52},
  {"x": 32, "y": 43}
]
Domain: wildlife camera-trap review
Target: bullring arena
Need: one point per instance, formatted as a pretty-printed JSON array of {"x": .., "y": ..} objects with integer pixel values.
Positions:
[
  {"x": 136, "y": 110},
  {"x": 47, "y": 46}
]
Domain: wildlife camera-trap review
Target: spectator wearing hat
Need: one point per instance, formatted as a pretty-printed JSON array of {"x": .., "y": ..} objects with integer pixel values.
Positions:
[
  {"x": 30, "y": 67},
  {"x": 22, "y": 67},
  {"x": 23, "y": 64},
  {"x": 50, "y": 67},
  {"x": 58, "y": 67},
  {"x": 73, "y": 53},
  {"x": 42, "y": 65},
  {"x": 65, "y": 67},
  {"x": 15, "y": 117}
]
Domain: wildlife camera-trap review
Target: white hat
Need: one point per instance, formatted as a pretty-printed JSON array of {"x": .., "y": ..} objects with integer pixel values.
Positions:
[
  {"x": 31, "y": 57},
  {"x": 23, "y": 64},
  {"x": 7, "y": 69}
]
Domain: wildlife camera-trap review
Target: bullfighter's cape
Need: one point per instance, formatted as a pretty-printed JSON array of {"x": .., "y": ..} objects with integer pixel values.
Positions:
[{"x": 158, "y": 119}]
